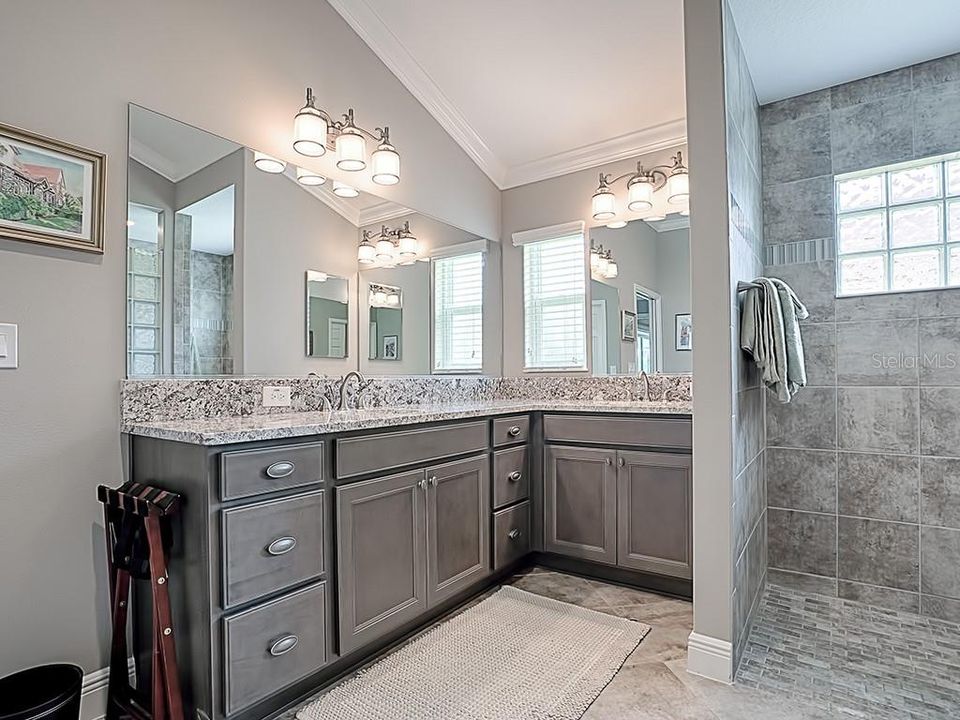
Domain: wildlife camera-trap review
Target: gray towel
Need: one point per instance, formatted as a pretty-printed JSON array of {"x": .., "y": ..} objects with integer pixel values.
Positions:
[{"x": 770, "y": 332}]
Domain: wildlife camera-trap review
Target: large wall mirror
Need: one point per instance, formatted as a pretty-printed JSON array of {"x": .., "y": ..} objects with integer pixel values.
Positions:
[
  {"x": 640, "y": 297},
  {"x": 235, "y": 270}
]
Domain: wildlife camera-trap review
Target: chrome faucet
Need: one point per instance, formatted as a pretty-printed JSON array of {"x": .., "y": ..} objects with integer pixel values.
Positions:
[
  {"x": 344, "y": 381},
  {"x": 645, "y": 379}
]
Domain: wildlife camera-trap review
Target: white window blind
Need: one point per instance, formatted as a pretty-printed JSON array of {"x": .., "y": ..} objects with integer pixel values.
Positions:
[
  {"x": 458, "y": 313},
  {"x": 553, "y": 303}
]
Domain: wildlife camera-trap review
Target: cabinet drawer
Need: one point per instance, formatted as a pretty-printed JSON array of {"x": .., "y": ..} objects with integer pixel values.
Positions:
[
  {"x": 270, "y": 546},
  {"x": 639, "y": 431},
  {"x": 253, "y": 472},
  {"x": 385, "y": 451},
  {"x": 511, "y": 476},
  {"x": 511, "y": 429},
  {"x": 273, "y": 645},
  {"x": 511, "y": 535}
]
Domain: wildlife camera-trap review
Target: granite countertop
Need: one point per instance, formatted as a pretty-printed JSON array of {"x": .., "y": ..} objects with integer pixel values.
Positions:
[{"x": 226, "y": 430}]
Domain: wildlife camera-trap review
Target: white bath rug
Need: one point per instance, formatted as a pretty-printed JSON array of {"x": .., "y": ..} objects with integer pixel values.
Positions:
[{"x": 515, "y": 656}]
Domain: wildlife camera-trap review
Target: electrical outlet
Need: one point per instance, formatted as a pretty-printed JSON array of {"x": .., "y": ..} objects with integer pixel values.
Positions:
[{"x": 276, "y": 396}]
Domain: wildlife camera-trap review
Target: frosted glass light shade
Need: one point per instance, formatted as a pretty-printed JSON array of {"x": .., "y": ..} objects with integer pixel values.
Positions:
[
  {"x": 268, "y": 163},
  {"x": 343, "y": 190},
  {"x": 640, "y": 195},
  {"x": 386, "y": 165},
  {"x": 309, "y": 177},
  {"x": 617, "y": 224},
  {"x": 385, "y": 250},
  {"x": 602, "y": 265},
  {"x": 379, "y": 297},
  {"x": 678, "y": 188},
  {"x": 612, "y": 270},
  {"x": 594, "y": 260},
  {"x": 366, "y": 253},
  {"x": 309, "y": 132},
  {"x": 409, "y": 247},
  {"x": 351, "y": 150},
  {"x": 604, "y": 205},
  {"x": 393, "y": 299}
]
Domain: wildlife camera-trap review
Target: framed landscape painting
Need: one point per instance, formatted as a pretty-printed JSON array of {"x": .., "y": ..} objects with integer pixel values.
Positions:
[{"x": 50, "y": 192}]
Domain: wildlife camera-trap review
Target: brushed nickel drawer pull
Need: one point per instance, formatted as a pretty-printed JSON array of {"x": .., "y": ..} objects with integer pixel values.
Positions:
[
  {"x": 515, "y": 476},
  {"x": 284, "y": 645},
  {"x": 282, "y": 545},
  {"x": 514, "y": 431},
  {"x": 514, "y": 534},
  {"x": 281, "y": 469}
]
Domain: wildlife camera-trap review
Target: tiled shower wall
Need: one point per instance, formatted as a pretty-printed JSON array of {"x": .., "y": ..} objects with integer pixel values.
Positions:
[
  {"x": 745, "y": 233},
  {"x": 863, "y": 467}
]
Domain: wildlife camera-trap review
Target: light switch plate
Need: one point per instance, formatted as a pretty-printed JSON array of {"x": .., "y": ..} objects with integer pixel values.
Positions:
[
  {"x": 276, "y": 396},
  {"x": 8, "y": 346}
]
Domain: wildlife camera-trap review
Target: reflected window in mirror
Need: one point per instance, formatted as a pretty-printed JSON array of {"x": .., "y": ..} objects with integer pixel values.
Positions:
[
  {"x": 554, "y": 300},
  {"x": 327, "y": 313},
  {"x": 144, "y": 290},
  {"x": 458, "y": 313},
  {"x": 648, "y": 333}
]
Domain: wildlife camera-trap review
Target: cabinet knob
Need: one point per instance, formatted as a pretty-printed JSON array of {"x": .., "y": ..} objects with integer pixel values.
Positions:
[
  {"x": 621, "y": 462},
  {"x": 284, "y": 645},
  {"x": 432, "y": 480},
  {"x": 514, "y": 534},
  {"x": 282, "y": 545},
  {"x": 515, "y": 476},
  {"x": 514, "y": 431},
  {"x": 281, "y": 469},
  {"x": 422, "y": 484},
  {"x": 608, "y": 461}
]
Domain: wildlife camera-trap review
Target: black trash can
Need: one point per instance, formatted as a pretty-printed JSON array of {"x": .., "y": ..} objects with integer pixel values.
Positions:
[{"x": 46, "y": 692}]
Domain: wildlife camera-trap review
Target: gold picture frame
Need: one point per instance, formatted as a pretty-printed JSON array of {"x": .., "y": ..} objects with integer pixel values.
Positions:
[{"x": 51, "y": 192}]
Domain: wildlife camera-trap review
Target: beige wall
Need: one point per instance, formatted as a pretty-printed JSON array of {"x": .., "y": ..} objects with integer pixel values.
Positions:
[
  {"x": 234, "y": 67},
  {"x": 540, "y": 204}
]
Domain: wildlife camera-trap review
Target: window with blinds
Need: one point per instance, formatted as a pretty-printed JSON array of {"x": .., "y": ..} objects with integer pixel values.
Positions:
[
  {"x": 458, "y": 313},
  {"x": 554, "y": 297}
]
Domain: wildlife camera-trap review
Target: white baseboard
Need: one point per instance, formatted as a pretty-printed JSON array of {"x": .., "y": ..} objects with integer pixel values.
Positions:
[
  {"x": 709, "y": 657},
  {"x": 93, "y": 696}
]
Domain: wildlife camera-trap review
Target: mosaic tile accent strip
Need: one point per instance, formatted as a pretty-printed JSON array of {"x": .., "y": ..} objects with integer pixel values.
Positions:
[
  {"x": 793, "y": 253},
  {"x": 853, "y": 660},
  {"x": 170, "y": 399}
]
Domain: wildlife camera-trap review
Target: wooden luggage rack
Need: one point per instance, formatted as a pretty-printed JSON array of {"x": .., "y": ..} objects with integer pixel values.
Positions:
[{"x": 136, "y": 520}]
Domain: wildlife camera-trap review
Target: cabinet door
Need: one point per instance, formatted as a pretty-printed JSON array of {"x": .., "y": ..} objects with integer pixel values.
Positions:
[
  {"x": 580, "y": 503},
  {"x": 654, "y": 492},
  {"x": 381, "y": 573},
  {"x": 458, "y": 521}
]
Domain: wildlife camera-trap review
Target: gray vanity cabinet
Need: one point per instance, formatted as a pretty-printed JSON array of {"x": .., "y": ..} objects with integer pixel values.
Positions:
[
  {"x": 579, "y": 503},
  {"x": 458, "y": 511},
  {"x": 381, "y": 575},
  {"x": 654, "y": 493}
]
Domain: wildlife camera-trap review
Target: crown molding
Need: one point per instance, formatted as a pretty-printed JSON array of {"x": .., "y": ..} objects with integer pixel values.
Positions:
[
  {"x": 672, "y": 222},
  {"x": 382, "y": 212},
  {"x": 641, "y": 142},
  {"x": 377, "y": 35},
  {"x": 153, "y": 160}
]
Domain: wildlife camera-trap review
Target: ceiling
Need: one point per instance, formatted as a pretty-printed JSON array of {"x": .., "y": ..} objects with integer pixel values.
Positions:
[
  {"x": 797, "y": 46},
  {"x": 539, "y": 88},
  {"x": 211, "y": 227},
  {"x": 172, "y": 148}
]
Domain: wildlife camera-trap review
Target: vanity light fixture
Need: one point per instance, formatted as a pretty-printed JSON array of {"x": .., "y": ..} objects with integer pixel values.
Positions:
[
  {"x": 315, "y": 131},
  {"x": 617, "y": 224},
  {"x": 343, "y": 190},
  {"x": 268, "y": 163},
  {"x": 641, "y": 185},
  {"x": 309, "y": 177},
  {"x": 389, "y": 247},
  {"x": 366, "y": 253},
  {"x": 602, "y": 264},
  {"x": 384, "y": 296}
]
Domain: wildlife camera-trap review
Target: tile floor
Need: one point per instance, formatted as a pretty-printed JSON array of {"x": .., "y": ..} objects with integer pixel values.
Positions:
[{"x": 805, "y": 660}]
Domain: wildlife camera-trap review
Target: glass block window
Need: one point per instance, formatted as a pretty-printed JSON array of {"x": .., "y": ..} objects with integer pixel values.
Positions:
[
  {"x": 898, "y": 227},
  {"x": 144, "y": 290}
]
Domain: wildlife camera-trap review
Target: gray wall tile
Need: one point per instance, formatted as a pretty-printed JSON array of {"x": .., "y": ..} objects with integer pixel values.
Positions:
[
  {"x": 941, "y": 561},
  {"x": 931, "y": 105},
  {"x": 879, "y": 486},
  {"x": 879, "y": 553},
  {"x": 750, "y": 501},
  {"x": 877, "y": 307},
  {"x": 938, "y": 303},
  {"x": 801, "y": 479},
  {"x": 809, "y": 420},
  {"x": 872, "y": 134},
  {"x": 803, "y": 542},
  {"x": 934, "y": 72},
  {"x": 940, "y": 421},
  {"x": 882, "y": 352},
  {"x": 900, "y": 600},
  {"x": 940, "y": 492},
  {"x": 748, "y": 427},
  {"x": 799, "y": 210},
  {"x": 878, "y": 419},
  {"x": 868, "y": 89},
  {"x": 820, "y": 353},
  {"x": 941, "y": 608},
  {"x": 796, "y": 150},
  {"x": 795, "y": 107},
  {"x": 940, "y": 351},
  {"x": 814, "y": 285},
  {"x": 803, "y": 582}
]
